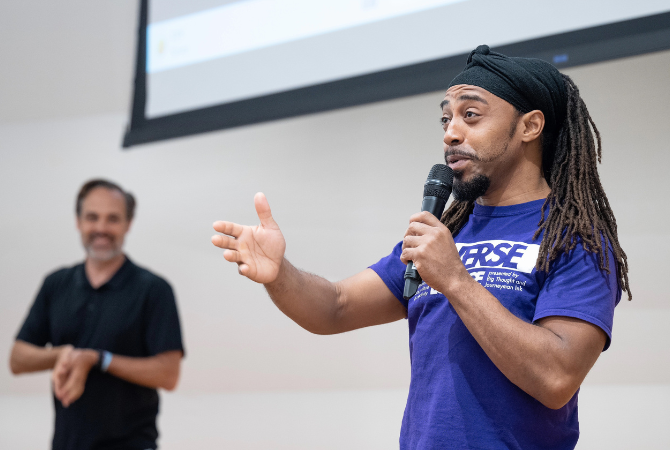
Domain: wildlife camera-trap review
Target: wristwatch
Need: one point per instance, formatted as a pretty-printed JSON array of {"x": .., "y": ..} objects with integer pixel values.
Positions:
[{"x": 104, "y": 360}]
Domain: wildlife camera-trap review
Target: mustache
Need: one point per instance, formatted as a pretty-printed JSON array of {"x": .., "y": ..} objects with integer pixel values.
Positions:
[
  {"x": 457, "y": 151},
  {"x": 93, "y": 236}
]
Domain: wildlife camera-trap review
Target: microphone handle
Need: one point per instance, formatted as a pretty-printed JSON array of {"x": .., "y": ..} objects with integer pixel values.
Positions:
[{"x": 435, "y": 206}]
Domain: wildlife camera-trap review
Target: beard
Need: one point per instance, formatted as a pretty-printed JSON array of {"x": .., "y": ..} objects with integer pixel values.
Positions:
[
  {"x": 469, "y": 191},
  {"x": 102, "y": 255}
]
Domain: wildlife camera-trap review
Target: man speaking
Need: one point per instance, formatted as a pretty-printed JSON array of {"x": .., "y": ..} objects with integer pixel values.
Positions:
[{"x": 521, "y": 275}]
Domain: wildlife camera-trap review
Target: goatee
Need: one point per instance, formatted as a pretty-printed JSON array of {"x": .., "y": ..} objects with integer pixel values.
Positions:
[{"x": 469, "y": 191}]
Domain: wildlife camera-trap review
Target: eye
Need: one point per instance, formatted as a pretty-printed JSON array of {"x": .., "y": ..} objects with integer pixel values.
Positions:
[
  {"x": 444, "y": 121},
  {"x": 470, "y": 114}
]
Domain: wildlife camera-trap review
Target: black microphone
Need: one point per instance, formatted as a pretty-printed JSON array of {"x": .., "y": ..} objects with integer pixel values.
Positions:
[{"x": 436, "y": 192}]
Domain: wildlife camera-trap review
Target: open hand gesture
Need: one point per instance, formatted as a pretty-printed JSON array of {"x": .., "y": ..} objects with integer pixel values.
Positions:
[{"x": 257, "y": 250}]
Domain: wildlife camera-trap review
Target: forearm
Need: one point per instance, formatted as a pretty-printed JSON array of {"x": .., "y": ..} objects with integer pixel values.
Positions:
[
  {"x": 27, "y": 357},
  {"x": 160, "y": 371},
  {"x": 534, "y": 358},
  {"x": 309, "y": 300}
]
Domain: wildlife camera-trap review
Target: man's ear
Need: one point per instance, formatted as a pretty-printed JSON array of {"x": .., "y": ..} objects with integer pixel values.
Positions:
[{"x": 533, "y": 124}]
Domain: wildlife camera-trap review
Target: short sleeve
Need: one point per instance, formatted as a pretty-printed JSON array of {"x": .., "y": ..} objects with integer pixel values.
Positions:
[
  {"x": 577, "y": 287},
  {"x": 392, "y": 272},
  {"x": 35, "y": 329},
  {"x": 163, "y": 330}
]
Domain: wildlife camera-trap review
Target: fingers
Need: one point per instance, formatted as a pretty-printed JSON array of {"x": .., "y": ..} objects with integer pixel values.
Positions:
[
  {"x": 411, "y": 242},
  {"x": 417, "y": 229},
  {"x": 71, "y": 391},
  {"x": 235, "y": 230},
  {"x": 408, "y": 253},
  {"x": 73, "y": 384},
  {"x": 69, "y": 375},
  {"x": 64, "y": 393},
  {"x": 229, "y": 228},
  {"x": 225, "y": 242},
  {"x": 58, "y": 377},
  {"x": 232, "y": 256},
  {"x": 62, "y": 370},
  {"x": 263, "y": 211},
  {"x": 424, "y": 217},
  {"x": 420, "y": 234},
  {"x": 236, "y": 257},
  {"x": 60, "y": 381}
]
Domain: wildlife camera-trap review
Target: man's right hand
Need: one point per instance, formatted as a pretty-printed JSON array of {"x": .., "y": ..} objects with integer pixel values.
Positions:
[
  {"x": 70, "y": 373},
  {"x": 257, "y": 250},
  {"x": 316, "y": 304}
]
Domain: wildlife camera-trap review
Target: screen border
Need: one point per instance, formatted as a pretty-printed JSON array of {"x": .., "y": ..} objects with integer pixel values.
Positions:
[{"x": 586, "y": 46}]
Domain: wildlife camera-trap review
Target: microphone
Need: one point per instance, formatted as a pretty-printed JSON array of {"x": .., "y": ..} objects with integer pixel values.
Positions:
[{"x": 436, "y": 192}]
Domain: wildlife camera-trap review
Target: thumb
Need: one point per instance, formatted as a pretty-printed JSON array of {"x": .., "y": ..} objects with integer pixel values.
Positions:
[{"x": 263, "y": 211}]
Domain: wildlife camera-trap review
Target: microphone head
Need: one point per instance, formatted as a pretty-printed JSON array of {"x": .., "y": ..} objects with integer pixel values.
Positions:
[{"x": 439, "y": 182}]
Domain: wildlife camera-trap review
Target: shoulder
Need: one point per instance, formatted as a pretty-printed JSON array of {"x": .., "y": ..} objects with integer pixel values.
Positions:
[
  {"x": 584, "y": 257},
  {"x": 62, "y": 274},
  {"x": 583, "y": 273},
  {"x": 146, "y": 277},
  {"x": 583, "y": 262}
]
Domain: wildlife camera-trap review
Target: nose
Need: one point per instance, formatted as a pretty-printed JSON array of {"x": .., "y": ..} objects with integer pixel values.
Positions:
[
  {"x": 100, "y": 226},
  {"x": 453, "y": 134}
]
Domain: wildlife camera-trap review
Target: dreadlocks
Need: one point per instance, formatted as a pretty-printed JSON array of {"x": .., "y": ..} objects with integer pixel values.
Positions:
[{"x": 577, "y": 209}]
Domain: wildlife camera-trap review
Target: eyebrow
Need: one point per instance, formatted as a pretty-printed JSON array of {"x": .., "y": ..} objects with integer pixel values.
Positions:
[{"x": 475, "y": 98}]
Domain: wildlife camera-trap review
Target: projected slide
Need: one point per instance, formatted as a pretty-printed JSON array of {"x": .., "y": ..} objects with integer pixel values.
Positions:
[
  {"x": 254, "y": 24},
  {"x": 211, "y": 64},
  {"x": 202, "y": 53},
  {"x": 199, "y": 57}
]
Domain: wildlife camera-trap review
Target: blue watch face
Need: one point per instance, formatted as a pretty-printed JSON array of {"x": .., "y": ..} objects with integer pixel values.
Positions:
[{"x": 105, "y": 360}]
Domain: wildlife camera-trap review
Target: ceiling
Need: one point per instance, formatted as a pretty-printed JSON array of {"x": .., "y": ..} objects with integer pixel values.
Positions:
[{"x": 66, "y": 58}]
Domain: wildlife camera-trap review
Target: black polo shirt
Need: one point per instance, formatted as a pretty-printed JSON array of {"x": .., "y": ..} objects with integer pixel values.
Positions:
[{"x": 133, "y": 314}]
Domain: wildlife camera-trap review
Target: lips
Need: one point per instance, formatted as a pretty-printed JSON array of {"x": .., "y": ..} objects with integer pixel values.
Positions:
[
  {"x": 457, "y": 162},
  {"x": 101, "y": 240}
]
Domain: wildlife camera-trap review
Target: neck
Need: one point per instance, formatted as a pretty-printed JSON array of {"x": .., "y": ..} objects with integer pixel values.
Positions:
[
  {"x": 100, "y": 272},
  {"x": 519, "y": 180},
  {"x": 520, "y": 193}
]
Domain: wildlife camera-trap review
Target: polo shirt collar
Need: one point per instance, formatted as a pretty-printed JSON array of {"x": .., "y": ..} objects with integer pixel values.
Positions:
[{"x": 114, "y": 283}]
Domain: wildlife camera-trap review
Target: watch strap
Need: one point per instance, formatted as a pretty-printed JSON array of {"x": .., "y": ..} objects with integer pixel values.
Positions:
[{"x": 104, "y": 360}]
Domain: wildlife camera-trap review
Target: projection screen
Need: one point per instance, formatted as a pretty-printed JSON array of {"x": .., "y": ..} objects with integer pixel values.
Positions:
[{"x": 204, "y": 65}]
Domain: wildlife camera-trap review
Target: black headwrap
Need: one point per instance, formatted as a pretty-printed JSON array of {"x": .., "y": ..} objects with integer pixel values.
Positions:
[{"x": 527, "y": 83}]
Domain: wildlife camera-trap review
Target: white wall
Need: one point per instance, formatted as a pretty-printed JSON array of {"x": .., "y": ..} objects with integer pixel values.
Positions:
[
  {"x": 65, "y": 58},
  {"x": 342, "y": 185}
]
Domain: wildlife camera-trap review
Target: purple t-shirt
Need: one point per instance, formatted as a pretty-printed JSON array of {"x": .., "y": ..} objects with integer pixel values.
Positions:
[{"x": 458, "y": 399}]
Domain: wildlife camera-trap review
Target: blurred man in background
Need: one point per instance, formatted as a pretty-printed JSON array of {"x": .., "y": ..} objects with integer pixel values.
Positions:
[{"x": 109, "y": 330}]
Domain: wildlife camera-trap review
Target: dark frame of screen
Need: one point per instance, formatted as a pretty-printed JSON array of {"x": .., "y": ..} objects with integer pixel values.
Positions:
[{"x": 591, "y": 45}]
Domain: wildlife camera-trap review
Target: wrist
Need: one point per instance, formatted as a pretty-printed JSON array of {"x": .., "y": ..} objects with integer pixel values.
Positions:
[
  {"x": 57, "y": 353},
  {"x": 456, "y": 283},
  {"x": 61, "y": 348},
  {"x": 91, "y": 357},
  {"x": 281, "y": 273}
]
